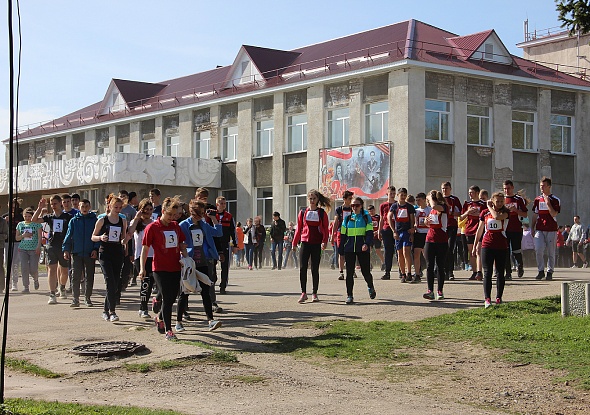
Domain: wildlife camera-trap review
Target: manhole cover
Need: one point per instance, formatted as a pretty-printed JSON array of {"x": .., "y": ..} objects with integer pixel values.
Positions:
[{"x": 107, "y": 348}]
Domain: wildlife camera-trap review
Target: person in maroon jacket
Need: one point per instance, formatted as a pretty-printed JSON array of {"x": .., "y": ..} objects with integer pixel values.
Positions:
[
  {"x": 494, "y": 245},
  {"x": 471, "y": 210},
  {"x": 312, "y": 232},
  {"x": 437, "y": 241},
  {"x": 544, "y": 227},
  {"x": 454, "y": 205},
  {"x": 516, "y": 204}
]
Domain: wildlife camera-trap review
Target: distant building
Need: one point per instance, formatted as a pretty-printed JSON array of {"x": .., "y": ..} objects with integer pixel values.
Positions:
[{"x": 407, "y": 104}]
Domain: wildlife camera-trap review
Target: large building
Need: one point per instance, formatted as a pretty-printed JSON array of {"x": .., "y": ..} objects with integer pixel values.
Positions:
[{"x": 407, "y": 104}]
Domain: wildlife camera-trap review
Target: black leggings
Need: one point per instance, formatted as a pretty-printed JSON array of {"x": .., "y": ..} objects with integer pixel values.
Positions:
[
  {"x": 388, "y": 248},
  {"x": 489, "y": 257},
  {"x": 168, "y": 284},
  {"x": 450, "y": 260},
  {"x": 258, "y": 255},
  {"x": 205, "y": 297},
  {"x": 145, "y": 289},
  {"x": 435, "y": 252},
  {"x": 111, "y": 262},
  {"x": 364, "y": 259},
  {"x": 315, "y": 252}
]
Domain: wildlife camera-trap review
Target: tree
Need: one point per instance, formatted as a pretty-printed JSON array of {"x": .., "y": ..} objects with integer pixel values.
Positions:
[{"x": 574, "y": 15}]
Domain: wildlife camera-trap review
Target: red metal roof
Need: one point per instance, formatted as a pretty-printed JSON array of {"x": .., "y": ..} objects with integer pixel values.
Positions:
[{"x": 412, "y": 39}]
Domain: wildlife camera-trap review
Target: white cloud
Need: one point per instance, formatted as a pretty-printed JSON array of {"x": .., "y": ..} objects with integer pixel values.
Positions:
[{"x": 34, "y": 116}]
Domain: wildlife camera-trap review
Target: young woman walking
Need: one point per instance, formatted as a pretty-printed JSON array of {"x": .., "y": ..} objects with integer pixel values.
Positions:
[
  {"x": 312, "y": 232},
  {"x": 436, "y": 246}
]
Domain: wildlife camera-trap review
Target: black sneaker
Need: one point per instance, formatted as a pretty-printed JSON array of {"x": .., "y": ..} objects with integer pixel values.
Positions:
[
  {"x": 382, "y": 267},
  {"x": 540, "y": 276},
  {"x": 508, "y": 277},
  {"x": 451, "y": 277},
  {"x": 403, "y": 278},
  {"x": 222, "y": 291},
  {"x": 341, "y": 276},
  {"x": 372, "y": 293},
  {"x": 415, "y": 279},
  {"x": 520, "y": 272},
  {"x": 472, "y": 278},
  {"x": 386, "y": 277},
  {"x": 216, "y": 308},
  {"x": 549, "y": 276}
]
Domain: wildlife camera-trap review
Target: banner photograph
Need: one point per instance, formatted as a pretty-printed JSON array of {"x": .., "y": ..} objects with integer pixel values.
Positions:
[{"x": 361, "y": 169}]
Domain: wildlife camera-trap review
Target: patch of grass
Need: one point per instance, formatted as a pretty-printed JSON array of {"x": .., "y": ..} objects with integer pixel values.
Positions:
[
  {"x": 137, "y": 367},
  {"x": 250, "y": 378},
  {"x": 530, "y": 331},
  {"x": 30, "y": 407},
  {"x": 25, "y": 366},
  {"x": 218, "y": 355}
]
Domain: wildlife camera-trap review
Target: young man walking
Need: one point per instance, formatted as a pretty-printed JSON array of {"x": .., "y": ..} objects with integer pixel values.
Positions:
[{"x": 546, "y": 207}]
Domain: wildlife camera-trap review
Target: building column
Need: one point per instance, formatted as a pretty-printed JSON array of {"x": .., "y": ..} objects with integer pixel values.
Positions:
[
  {"x": 244, "y": 179},
  {"x": 502, "y": 136},
  {"x": 185, "y": 134},
  {"x": 69, "y": 150},
  {"x": 135, "y": 137},
  {"x": 215, "y": 143},
  {"x": 582, "y": 149},
  {"x": 159, "y": 136},
  {"x": 544, "y": 132},
  {"x": 112, "y": 148},
  {"x": 90, "y": 142},
  {"x": 278, "y": 164},
  {"x": 316, "y": 129},
  {"x": 459, "y": 180},
  {"x": 406, "y": 128},
  {"x": 355, "y": 108}
]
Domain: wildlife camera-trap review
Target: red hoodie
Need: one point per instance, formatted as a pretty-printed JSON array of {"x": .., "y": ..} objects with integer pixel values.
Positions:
[{"x": 312, "y": 227}]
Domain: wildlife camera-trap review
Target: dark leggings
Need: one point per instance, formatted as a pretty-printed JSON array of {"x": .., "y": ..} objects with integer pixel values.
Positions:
[
  {"x": 111, "y": 262},
  {"x": 515, "y": 243},
  {"x": 489, "y": 257},
  {"x": 364, "y": 259},
  {"x": 205, "y": 297},
  {"x": 168, "y": 283},
  {"x": 145, "y": 290},
  {"x": 258, "y": 255},
  {"x": 450, "y": 260},
  {"x": 388, "y": 248},
  {"x": 315, "y": 252},
  {"x": 435, "y": 252}
]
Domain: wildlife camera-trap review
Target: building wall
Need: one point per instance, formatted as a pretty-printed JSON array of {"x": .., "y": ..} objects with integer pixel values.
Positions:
[{"x": 563, "y": 52}]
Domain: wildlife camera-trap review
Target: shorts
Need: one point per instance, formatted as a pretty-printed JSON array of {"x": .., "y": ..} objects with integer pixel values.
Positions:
[
  {"x": 376, "y": 243},
  {"x": 404, "y": 240},
  {"x": 470, "y": 239},
  {"x": 55, "y": 256},
  {"x": 578, "y": 246},
  {"x": 419, "y": 240}
]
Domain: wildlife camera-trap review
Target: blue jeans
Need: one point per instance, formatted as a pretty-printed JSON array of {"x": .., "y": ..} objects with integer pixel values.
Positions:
[
  {"x": 249, "y": 253},
  {"x": 290, "y": 251},
  {"x": 273, "y": 252}
]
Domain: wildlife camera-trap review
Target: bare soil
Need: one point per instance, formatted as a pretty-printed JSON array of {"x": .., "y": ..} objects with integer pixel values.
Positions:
[{"x": 456, "y": 378}]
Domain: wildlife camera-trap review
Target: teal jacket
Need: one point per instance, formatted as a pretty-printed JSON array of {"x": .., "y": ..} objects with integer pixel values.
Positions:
[{"x": 356, "y": 231}]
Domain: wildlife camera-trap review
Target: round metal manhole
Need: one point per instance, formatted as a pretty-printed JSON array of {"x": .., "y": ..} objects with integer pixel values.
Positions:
[{"x": 108, "y": 348}]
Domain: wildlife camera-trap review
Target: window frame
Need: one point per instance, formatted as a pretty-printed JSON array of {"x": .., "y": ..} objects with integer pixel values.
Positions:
[
  {"x": 262, "y": 130},
  {"x": 345, "y": 122},
  {"x": 292, "y": 215},
  {"x": 231, "y": 198},
  {"x": 291, "y": 128},
  {"x": 200, "y": 142},
  {"x": 562, "y": 127},
  {"x": 440, "y": 115},
  {"x": 480, "y": 127},
  {"x": 384, "y": 115},
  {"x": 225, "y": 136},
  {"x": 534, "y": 146},
  {"x": 264, "y": 200}
]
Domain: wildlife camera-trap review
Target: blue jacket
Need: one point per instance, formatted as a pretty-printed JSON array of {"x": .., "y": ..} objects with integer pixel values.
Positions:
[
  {"x": 78, "y": 237},
  {"x": 209, "y": 231},
  {"x": 356, "y": 231}
]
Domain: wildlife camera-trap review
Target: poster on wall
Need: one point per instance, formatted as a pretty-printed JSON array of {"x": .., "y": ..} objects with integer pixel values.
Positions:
[{"x": 363, "y": 170}]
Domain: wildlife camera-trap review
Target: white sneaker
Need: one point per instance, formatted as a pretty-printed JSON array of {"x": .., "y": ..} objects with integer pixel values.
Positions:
[
  {"x": 487, "y": 303},
  {"x": 52, "y": 299},
  {"x": 214, "y": 324},
  {"x": 144, "y": 314},
  {"x": 114, "y": 317}
]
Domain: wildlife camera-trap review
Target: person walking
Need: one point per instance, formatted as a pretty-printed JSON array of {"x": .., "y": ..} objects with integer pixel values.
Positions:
[
  {"x": 356, "y": 235},
  {"x": 259, "y": 244},
  {"x": 289, "y": 251},
  {"x": 386, "y": 233},
  {"x": 29, "y": 235},
  {"x": 249, "y": 242},
  {"x": 277, "y": 236},
  {"x": 575, "y": 239},
  {"x": 436, "y": 246},
  {"x": 546, "y": 207},
  {"x": 312, "y": 232},
  {"x": 79, "y": 247}
]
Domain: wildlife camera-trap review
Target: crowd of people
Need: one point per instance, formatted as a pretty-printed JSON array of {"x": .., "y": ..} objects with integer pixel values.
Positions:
[{"x": 146, "y": 240}]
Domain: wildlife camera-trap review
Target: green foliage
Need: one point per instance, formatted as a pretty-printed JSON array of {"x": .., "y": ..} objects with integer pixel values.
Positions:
[
  {"x": 27, "y": 367},
  {"x": 30, "y": 407},
  {"x": 574, "y": 15}
]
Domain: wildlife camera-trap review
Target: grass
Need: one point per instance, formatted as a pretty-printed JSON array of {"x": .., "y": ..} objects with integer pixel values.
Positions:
[
  {"x": 250, "y": 378},
  {"x": 29, "y": 407},
  {"x": 27, "y": 367},
  {"x": 218, "y": 356},
  {"x": 526, "y": 331}
]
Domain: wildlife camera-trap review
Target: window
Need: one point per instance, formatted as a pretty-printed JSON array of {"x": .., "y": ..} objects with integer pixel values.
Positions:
[
  {"x": 561, "y": 134},
  {"x": 264, "y": 137},
  {"x": 297, "y": 133},
  {"x": 488, "y": 51},
  {"x": 122, "y": 136},
  {"x": 102, "y": 141},
  {"x": 264, "y": 204},
  {"x": 148, "y": 137},
  {"x": 172, "y": 135},
  {"x": 231, "y": 198},
  {"x": 60, "y": 148},
  {"x": 437, "y": 120},
  {"x": 202, "y": 144},
  {"x": 78, "y": 145},
  {"x": 376, "y": 116},
  {"x": 230, "y": 143},
  {"x": 523, "y": 128},
  {"x": 478, "y": 125},
  {"x": 92, "y": 196},
  {"x": 338, "y": 127},
  {"x": 297, "y": 200},
  {"x": 39, "y": 151}
]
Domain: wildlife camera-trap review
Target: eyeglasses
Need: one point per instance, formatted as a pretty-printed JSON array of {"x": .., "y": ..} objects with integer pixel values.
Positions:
[{"x": 355, "y": 204}]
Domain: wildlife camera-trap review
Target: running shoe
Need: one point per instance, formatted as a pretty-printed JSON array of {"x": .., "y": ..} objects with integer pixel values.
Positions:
[
  {"x": 332, "y": 266},
  {"x": 143, "y": 314},
  {"x": 349, "y": 300},
  {"x": 36, "y": 284},
  {"x": 487, "y": 303},
  {"x": 415, "y": 279},
  {"x": 540, "y": 276},
  {"x": 105, "y": 316},
  {"x": 75, "y": 303},
  {"x": 14, "y": 288},
  {"x": 341, "y": 276},
  {"x": 88, "y": 302},
  {"x": 520, "y": 272},
  {"x": 429, "y": 295},
  {"x": 171, "y": 336},
  {"x": 440, "y": 295},
  {"x": 479, "y": 276},
  {"x": 62, "y": 292},
  {"x": 386, "y": 277},
  {"x": 214, "y": 324},
  {"x": 403, "y": 278},
  {"x": 508, "y": 277},
  {"x": 25, "y": 290},
  {"x": 179, "y": 327},
  {"x": 160, "y": 325},
  {"x": 314, "y": 298},
  {"x": 303, "y": 298},
  {"x": 549, "y": 276},
  {"x": 216, "y": 308},
  {"x": 114, "y": 317},
  {"x": 372, "y": 293},
  {"x": 473, "y": 276},
  {"x": 451, "y": 277},
  {"x": 156, "y": 305},
  {"x": 52, "y": 299},
  {"x": 498, "y": 301}
]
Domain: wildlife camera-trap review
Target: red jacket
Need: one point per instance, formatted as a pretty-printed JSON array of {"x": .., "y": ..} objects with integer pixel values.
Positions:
[{"x": 312, "y": 227}]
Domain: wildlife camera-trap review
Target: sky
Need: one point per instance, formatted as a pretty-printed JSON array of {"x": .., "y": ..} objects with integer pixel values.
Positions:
[{"x": 71, "y": 49}]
